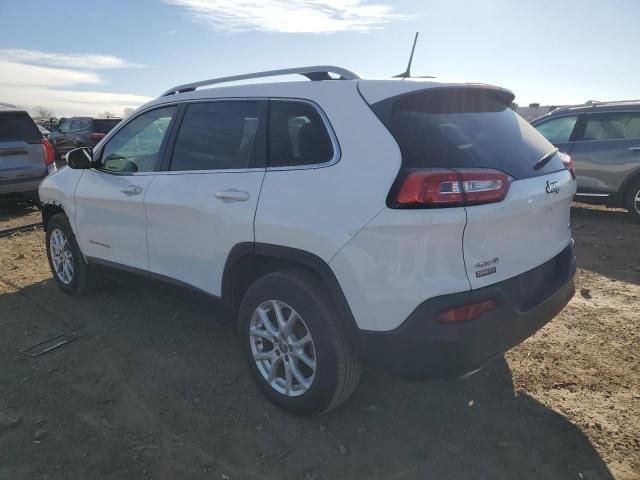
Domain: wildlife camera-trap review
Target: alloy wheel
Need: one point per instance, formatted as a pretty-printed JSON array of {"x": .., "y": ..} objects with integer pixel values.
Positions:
[
  {"x": 282, "y": 348},
  {"x": 61, "y": 256}
]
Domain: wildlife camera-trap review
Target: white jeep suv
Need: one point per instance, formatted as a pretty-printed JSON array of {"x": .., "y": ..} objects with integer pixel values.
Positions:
[{"x": 417, "y": 226}]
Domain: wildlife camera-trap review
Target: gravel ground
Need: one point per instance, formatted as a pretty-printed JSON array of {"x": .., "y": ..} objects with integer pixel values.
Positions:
[{"x": 155, "y": 387}]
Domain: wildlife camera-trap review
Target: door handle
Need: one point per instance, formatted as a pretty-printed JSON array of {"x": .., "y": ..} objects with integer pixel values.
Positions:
[
  {"x": 233, "y": 196},
  {"x": 131, "y": 190},
  {"x": 635, "y": 148}
]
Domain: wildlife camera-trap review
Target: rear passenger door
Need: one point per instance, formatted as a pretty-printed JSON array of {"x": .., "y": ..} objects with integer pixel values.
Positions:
[
  {"x": 204, "y": 201},
  {"x": 608, "y": 151}
]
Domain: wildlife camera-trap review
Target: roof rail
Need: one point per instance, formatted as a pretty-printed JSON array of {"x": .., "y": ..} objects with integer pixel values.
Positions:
[
  {"x": 319, "y": 72},
  {"x": 615, "y": 102}
]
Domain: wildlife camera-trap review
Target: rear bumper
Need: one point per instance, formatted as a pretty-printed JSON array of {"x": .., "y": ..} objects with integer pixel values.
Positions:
[
  {"x": 424, "y": 347},
  {"x": 24, "y": 187}
]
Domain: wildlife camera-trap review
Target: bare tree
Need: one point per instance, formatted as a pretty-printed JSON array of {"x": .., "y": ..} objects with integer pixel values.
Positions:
[{"x": 43, "y": 113}]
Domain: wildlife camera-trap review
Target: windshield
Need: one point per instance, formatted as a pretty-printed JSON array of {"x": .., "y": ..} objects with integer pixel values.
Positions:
[{"x": 470, "y": 127}]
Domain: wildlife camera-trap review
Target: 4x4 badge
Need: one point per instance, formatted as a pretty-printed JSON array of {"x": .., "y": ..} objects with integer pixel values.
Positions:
[{"x": 552, "y": 187}]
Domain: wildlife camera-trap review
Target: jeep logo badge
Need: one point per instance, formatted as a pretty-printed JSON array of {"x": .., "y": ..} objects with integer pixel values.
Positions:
[{"x": 552, "y": 187}]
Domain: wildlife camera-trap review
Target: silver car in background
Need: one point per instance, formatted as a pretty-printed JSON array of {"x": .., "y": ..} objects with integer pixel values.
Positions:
[
  {"x": 26, "y": 157},
  {"x": 603, "y": 139}
]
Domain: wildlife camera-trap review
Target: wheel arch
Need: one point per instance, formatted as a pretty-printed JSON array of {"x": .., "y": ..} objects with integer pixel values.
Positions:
[
  {"x": 249, "y": 261},
  {"x": 49, "y": 210},
  {"x": 632, "y": 178}
]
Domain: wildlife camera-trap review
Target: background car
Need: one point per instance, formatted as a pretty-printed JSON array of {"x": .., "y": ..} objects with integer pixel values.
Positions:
[
  {"x": 25, "y": 156},
  {"x": 45, "y": 133},
  {"x": 77, "y": 132},
  {"x": 603, "y": 140}
]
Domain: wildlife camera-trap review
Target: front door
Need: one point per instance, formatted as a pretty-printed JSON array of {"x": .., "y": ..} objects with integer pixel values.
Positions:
[{"x": 110, "y": 215}]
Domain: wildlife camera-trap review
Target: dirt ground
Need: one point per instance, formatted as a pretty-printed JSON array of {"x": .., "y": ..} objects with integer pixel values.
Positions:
[{"x": 156, "y": 388}]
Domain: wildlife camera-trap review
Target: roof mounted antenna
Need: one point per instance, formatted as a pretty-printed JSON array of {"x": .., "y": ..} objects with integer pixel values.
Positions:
[{"x": 407, "y": 72}]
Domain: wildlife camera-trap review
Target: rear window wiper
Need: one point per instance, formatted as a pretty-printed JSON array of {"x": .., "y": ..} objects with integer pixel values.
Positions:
[{"x": 544, "y": 160}]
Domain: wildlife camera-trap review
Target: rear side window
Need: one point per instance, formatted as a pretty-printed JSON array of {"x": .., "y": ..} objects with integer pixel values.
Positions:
[
  {"x": 465, "y": 128},
  {"x": 18, "y": 127},
  {"x": 104, "y": 126},
  {"x": 79, "y": 124},
  {"x": 217, "y": 136},
  {"x": 297, "y": 135},
  {"x": 612, "y": 126},
  {"x": 558, "y": 130}
]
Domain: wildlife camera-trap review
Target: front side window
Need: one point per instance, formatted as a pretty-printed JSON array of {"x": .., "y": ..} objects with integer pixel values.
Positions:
[
  {"x": 612, "y": 126},
  {"x": 136, "y": 146},
  {"x": 297, "y": 135},
  {"x": 217, "y": 136},
  {"x": 558, "y": 130}
]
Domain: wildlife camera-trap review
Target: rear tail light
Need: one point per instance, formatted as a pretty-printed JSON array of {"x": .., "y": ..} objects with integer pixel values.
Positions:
[
  {"x": 568, "y": 163},
  {"x": 470, "y": 311},
  {"x": 96, "y": 137},
  {"x": 453, "y": 187},
  {"x": 49, "y": 154}
]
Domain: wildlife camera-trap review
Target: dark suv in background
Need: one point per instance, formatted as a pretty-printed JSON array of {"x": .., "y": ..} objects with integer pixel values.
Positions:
[
  {"x": 603, "y": 139},
  {"x": 77, "y": 132},
  {"x": 26, "y": 157}
]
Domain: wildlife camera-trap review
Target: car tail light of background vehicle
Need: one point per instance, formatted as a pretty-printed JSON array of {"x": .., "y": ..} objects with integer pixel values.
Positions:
[
  {"x": 96, "y": 137},
  {"x": 47, "y": 149},
  {"x": 448, "y": 187}
]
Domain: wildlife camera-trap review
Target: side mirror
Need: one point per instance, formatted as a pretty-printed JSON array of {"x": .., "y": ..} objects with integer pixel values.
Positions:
[{"x": 80, "y": 158}]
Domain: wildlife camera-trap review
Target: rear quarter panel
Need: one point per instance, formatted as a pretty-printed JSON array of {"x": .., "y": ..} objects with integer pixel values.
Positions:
[{"x": 320, "y": 209}]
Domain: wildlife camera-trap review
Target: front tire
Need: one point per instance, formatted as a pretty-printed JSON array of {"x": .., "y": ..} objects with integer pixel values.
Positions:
[
  {"x": 297, "y": 349},
  {"x": 69, "y": 269},
  {"x": 632, "y": 200}
]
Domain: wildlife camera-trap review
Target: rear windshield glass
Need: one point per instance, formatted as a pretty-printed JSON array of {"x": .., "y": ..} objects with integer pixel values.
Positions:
[
  {"x": 17, "y": 127},
  {"x": 104, "y": 126},
  {"x": 464, "y": 128}
]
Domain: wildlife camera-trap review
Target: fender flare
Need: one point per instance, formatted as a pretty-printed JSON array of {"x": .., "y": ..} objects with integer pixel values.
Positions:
[{"x": 292, "y": 256}]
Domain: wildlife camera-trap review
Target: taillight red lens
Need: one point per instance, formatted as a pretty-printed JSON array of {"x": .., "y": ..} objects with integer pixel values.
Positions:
[
  {"x": 453, "y": 187},
  {"x": 568, "y": 163},
  {"x": 49, "y": 154},
  {"x": 96, "y": 137},
  {"x": 470, "y": 311},
  {"x": 432, "y": 187}
]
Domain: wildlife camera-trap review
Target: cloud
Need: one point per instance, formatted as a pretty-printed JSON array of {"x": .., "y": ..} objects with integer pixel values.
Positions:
[
  {"x": 23, "y": 82},
  {"x": 66, "y": 103},
  {"x": 290, "y": 16},
  {"x": 13, "y": 73},
  {"x": 85, "y": 61}
]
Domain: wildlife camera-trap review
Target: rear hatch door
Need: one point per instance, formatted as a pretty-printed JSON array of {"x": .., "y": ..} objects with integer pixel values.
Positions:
[
  {"x": 473, "y": 127},
  {"x": 21, "y": 152}
]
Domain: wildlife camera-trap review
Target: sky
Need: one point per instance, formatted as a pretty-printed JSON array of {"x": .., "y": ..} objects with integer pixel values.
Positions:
[{"x": 85, "y": 57}]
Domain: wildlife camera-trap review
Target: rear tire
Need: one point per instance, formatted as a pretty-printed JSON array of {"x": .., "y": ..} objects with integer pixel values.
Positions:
[
  {"x": 632, "y": 200},
  {"x": 303, "y": 362},
  {"x": 69, "y": 269}
]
